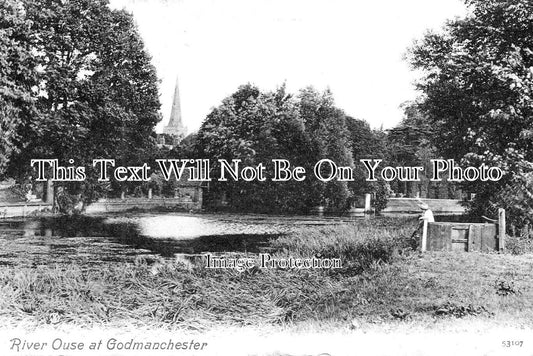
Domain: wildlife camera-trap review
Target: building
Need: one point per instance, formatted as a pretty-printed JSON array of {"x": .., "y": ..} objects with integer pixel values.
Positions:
[{"x": 175, "y": 131}]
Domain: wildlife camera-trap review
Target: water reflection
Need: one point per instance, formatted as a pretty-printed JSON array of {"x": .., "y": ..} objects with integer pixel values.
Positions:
[
  {"x": 90, "y": 240},
  {"x": 189, "y": 227}
]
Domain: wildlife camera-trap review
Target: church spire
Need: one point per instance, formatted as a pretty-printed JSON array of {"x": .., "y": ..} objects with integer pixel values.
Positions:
[{"x": 175, "y": 126}]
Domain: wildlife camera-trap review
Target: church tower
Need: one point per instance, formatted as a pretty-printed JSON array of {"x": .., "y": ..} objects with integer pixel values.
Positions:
[{"x": 175, "y": 127}]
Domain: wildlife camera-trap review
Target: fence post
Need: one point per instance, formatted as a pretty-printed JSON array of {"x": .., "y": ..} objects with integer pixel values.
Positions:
[
  {"x": 368, "y": 203},
  {"x": 49, "y": 192},
  {"x": 424, "y": 235},
  {"x": 501, "y": 229}
]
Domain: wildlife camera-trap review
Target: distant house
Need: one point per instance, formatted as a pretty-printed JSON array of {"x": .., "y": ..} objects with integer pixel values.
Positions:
[{"x": 186, "y": 190}]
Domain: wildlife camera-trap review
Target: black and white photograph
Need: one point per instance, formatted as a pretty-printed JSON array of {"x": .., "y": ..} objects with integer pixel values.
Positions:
[{"x": 266, "y": 177}]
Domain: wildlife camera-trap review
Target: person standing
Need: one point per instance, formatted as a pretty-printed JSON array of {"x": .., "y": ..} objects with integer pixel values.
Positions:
[
  {"x": 427, "y": 214},
  {"x": 417, "y": 237}
]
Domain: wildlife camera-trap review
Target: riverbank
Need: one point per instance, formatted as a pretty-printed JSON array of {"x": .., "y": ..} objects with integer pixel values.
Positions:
[{"x": 382, "y": 282}]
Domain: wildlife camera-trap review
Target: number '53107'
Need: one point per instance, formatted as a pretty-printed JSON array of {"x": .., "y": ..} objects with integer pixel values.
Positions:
[{"x": 508, "y": 343}]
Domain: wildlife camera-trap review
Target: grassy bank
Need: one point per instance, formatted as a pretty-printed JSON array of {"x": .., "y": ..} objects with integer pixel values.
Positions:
[{"x": 382, "y": 280}]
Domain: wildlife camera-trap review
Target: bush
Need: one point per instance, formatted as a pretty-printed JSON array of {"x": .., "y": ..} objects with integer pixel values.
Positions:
[
  {"x": 517, "y": 245},
  {"x": 381, "y": 197}
]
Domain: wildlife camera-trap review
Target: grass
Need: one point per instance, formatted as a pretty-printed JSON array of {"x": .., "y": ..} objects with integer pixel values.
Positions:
[
  {"x": 382, "y": 281},
  {"x": 518, "y": 245},
  {"x": 359, "y": 245}
]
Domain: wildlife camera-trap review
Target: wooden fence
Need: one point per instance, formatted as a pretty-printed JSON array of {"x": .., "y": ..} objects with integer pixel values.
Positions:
[{"x": 451, "y": 236}]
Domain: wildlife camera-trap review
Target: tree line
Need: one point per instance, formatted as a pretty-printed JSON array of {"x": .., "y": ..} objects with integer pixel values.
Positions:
[
  {"x": 258, "y": 126},
  {"x": 76, "y": 83}
]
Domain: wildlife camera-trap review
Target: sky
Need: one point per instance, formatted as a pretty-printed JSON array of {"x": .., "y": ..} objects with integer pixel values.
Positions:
[{"x": 355, "y": 48}]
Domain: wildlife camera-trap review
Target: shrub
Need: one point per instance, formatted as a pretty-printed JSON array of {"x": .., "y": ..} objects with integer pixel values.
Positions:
[{"x": 518, "y": 245}]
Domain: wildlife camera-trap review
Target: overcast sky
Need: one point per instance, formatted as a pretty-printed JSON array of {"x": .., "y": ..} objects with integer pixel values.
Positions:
[{"x": 353, "y": 47}]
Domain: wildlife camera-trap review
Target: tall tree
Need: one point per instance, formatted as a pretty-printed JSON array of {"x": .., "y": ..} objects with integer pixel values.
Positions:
[
  {"x": 326, "y": 126},
  {"x": 478, "y": 96},
  {"x": 257, "y": 127},
  {"x": 96, "y": 94},
  {"x": 17, "y": 78},
  {"x": 367, "y": 143}
]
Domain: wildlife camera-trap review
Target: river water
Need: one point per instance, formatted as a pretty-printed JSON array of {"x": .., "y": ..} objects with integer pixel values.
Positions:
[{"x": 97, "y": 239}]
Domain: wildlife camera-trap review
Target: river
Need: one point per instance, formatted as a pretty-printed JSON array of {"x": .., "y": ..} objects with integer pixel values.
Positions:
[{"x": 124, "y": 237}]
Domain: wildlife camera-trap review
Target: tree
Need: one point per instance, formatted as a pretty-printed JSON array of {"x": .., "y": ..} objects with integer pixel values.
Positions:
[
  {"x": 478, "y": 97},
  {"x": 367, "y": 143},
  {"x": 17, "y": 78},
  {"x": 407, "y": 139},
  {"x": 96, "y": 92},
  {"x": 326, "y": 126},
  {"x": 257, "y": 127}
]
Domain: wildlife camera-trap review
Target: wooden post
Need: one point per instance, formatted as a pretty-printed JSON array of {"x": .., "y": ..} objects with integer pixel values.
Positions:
[
  {"x": 470, "y": 238},
  {"x": 49, "y": 192},
  {"x": 368, "y": 200},
  {"x": 149, "y": 193},
  {"x": 423, "y": 245},
  {"x": 501, "y": 229}
]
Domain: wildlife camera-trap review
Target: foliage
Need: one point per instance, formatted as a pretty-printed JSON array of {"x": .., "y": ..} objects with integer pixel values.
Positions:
[
  {"x": 381, "y": 196},
  {"x": 327, "y": 129},
  {"x": 410, "y": 142},
  {"x": 478, "y": 97},
  {"x": 95, "y": 90},
  {"x": 187, "y": 146},
  {"x": 17, "y": 78},
  {"x": 518, "y": 245},
  {"x": 367, "y": 143},
  {"x": 256, "y": 128}
]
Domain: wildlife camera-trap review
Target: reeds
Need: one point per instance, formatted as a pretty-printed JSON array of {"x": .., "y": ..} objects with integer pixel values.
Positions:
[
  {"x": 173, "y": 293},
  {"x": 379, "y": 280}
]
